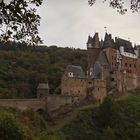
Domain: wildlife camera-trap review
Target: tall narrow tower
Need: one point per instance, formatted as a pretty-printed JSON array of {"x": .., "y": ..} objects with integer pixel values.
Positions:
[
  {"x": 93, "y": 50},
  {"x": 93, "y": 42}
]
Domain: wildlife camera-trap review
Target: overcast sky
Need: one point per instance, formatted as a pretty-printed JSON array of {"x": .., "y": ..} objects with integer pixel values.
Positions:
[{"x": 67, "y": 23}]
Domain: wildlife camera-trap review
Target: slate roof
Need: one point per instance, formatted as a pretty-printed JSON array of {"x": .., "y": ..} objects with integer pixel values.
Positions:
[
  {"x": 43, "y": 86},
  {"x": 76, "y": 70},
  {"x": 93, "y": 54},
  {"x": 108, "y": 41},
  {"x": 89, "y": 40},
  {"x": 94, "y": 41},
  {"x": 126, "y": 44},
  {"x": 102, "y": 58}
]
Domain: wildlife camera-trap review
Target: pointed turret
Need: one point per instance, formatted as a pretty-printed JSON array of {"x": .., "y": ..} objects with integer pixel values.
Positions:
[
  {"x": 96, "y": 42},
  {"x": 89, "y": 42},
  {"x": 93, "y": 42},
  {"x": 108, "y": 41}
]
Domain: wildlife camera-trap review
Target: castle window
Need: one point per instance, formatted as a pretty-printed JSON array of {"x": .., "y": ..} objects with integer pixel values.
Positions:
[
  {"x": 111, "y": 72},
  {"x": 70, "y": 74},
  {"x": 89, "y": 82},
  {"x": 129, "y": 65},
  {"x": 112, "y": 79},
  {"x": 98, "y": 89},
  {"x": 134, "y": 66},
  {"x": 125, "y": 64}
]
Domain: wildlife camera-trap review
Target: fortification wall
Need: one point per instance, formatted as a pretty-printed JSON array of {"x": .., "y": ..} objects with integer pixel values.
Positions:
[
  {"x": 127, "y": 82},
  {"x": 74, "y": 87},
  {"x": 99, "y": 92},
  {"x": 56, "y": 101},
  {"x": 23, "y": 104},
  {"x": 84, "y": 88},
  {"x": 131, "y": 82},
  {"x": 52, "y": 102},
  {"x": 119, "y": 79}
]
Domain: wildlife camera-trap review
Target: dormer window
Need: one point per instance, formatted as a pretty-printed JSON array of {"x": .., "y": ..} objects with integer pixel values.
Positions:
[{"x": 70, "y": 74}]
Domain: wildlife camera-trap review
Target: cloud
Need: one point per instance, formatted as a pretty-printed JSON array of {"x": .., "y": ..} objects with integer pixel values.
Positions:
[{"x": 68, "y": 23}]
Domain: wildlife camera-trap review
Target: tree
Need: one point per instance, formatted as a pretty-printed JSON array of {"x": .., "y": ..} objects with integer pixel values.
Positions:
[
  {"x": 108, "y": 134},
  {"x": 119, "y": 5},
  {"x": 9, "y": 128},
  {"x": 19, "y": 21}
]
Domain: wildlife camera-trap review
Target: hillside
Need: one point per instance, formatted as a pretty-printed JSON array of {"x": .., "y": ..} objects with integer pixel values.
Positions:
[
  {"x": 110, "y": 121},
  {"x": 23, "y": 67}
]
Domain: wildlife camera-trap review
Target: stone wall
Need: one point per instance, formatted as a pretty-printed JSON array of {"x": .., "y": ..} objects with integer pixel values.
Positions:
[
  {"x": 84, "y": 88},
  {"x": 131, "y": 82},
  {"x": 112, "y": 57},
  {"x": 74, "y": 87},
  {"x": 23, "y": 104},
  {"x": 54, "y": 102},
  {"x": 99, "y": 92},
  {"x": 51, "y": 103},
  {"x": 126, "y": 82}
]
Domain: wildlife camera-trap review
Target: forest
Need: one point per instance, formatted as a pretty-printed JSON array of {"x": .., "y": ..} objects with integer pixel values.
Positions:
[
  {"x": 23, "y": 67},
  {"x": 110, "y": 121}
]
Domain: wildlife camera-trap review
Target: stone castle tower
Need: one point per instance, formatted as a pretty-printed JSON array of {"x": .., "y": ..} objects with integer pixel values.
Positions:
[{"x": 113, "y": 67}]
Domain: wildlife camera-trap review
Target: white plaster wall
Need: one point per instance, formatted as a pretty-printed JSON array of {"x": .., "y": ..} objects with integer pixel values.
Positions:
[
  {"x": 122, "y": 52},
  {"x": 70, "y": 74}
]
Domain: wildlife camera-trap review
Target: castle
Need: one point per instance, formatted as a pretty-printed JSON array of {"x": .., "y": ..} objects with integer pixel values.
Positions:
[{"x": 113, "y": 67}]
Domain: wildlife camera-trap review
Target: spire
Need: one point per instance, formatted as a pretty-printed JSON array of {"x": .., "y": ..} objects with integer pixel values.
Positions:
[
  {"x": 108, "y": 41},
  {"x": 105, "y": 29},
  {"x": 93, "y": 42},
  {"x": 96, "y": 42},
  {"x": 89, "y": 39},
  {"x": 89, "y": 42}
]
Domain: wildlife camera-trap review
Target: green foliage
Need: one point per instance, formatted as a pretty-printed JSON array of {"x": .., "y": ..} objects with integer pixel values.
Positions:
[
  {"x": 109, "y": 110},
  {"x": 20, "y": 19},
  {"x": 31, "y": 125},
  {"x": 23, "y": 69},
  {"x": 82, "y": 128},
  {"x": 45, "y": 136},
  {"x": 108, "y": 134},
  {"x": 34, "y": 120},
  {"x": 111, "y": 121},
  {"x": 9, "y": 127},
  {"x": 5, "y": 93},
  {"x": 120, "y": 5}
]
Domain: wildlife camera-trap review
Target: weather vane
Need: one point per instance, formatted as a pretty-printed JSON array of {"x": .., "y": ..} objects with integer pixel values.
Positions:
[{"x": 105, "y": 29}]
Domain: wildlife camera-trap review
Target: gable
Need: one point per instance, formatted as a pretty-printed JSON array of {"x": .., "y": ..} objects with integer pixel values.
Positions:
[{"x": 102, "y": 59}]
